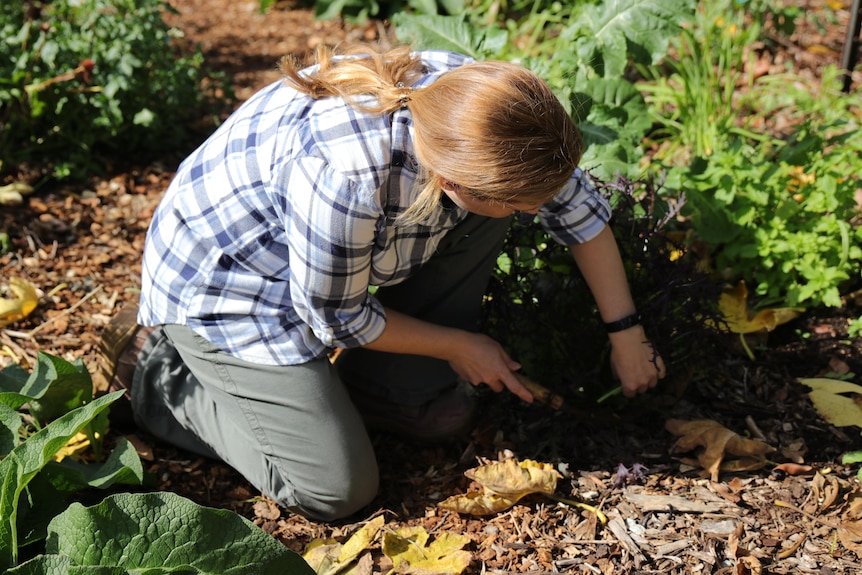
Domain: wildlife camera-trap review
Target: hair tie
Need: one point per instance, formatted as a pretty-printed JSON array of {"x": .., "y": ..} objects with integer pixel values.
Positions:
[{"x": 405, "y": 95}]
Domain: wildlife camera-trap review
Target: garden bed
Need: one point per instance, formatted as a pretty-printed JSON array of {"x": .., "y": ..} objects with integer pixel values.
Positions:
[{"x": 81, "y": 247}]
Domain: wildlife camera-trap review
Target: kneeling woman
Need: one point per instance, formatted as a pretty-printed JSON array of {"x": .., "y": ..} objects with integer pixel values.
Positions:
[{"x": 398, "y": 170}]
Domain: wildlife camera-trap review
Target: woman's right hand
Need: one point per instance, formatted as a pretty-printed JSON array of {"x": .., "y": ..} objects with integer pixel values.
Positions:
[
  {"x": 478, "y": 359},
  {"x": 475, "y": 357}
]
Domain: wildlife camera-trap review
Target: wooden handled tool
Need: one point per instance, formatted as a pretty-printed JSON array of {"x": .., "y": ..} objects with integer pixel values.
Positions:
[{"x": 540, "y": 392}]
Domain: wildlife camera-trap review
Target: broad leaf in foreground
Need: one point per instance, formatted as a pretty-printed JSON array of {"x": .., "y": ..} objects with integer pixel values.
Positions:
[{"x": 157, "y": 533}]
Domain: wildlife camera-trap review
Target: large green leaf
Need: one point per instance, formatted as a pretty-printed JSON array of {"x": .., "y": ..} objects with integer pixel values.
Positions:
[
  {"x": 48, "y": 491},
  {"x": 122, "y": 466},
  {"x": 608, "y": 160},
  {"x": 612, "y": 25},
  {"x": 12, "y": 379},
  {"x": 451, "y": 33},
  {"x": 55, "y": 387},
  {"x": 28, "y": 458},
  {"x": 159, "y": 533},
  {"x": 62, "y": 387}
]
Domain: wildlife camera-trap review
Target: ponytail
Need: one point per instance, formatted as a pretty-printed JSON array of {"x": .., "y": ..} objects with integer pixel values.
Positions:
[{"x": 386, "y": 77}]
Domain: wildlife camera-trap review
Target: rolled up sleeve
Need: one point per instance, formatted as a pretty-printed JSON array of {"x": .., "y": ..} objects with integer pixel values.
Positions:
[{"x": 577, "y": 213}]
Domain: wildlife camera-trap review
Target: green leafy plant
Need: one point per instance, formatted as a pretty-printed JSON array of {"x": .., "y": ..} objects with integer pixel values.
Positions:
[
  {"x": 781, "y": 213},
  {"x": 152, "y": 533},
  {"x": 695, "y": 96},
  {"x": 769, "y": 166},
  {"x": 853, "y": 457},
  {"x": 158, "y": 533},
  {"x": 359, "y": 11},
  {"x": 88, "y": 82},
  {"x": 35, "y": 486}
]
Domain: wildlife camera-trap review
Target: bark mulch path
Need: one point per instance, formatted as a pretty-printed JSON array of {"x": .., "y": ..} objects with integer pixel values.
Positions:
[{"x": 81, "y": 248}]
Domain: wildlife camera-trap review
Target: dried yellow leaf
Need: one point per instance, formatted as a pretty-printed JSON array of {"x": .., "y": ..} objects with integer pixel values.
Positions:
[
  {"x": 360, "y": 540},
  {"x": 24, "y": 301},
  {"x": 477, "y": 503},
  {"x": 13, "y": 194},
  {"x": 837, "y": 409},
  {"x": 513, "y": 479},
  {"x": 320, "y": 554},
  {"x": 409, "y": 554},
  {"x": 716, "y": 441},
  {"x": 733, "y": 304},
  {"x": 503, "y": 484},
  {"x": 328, "y": 557}
]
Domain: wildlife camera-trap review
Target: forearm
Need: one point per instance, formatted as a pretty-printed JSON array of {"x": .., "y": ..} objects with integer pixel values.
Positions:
[
  {"x": 633, "y": 357},
  {"x": 406, "y": 334},
  {"x": 602, "y": 267}
]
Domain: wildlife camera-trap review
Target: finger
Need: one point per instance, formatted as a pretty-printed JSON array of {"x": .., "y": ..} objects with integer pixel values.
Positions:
[
  {"x": 513, "y": 382},
  {"x": 496, "y": 386},
  {"x": 507, "y": 359}
]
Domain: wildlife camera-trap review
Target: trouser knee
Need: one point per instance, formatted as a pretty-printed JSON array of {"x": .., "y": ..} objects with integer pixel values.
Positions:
[{"x": 331, "y": 501}]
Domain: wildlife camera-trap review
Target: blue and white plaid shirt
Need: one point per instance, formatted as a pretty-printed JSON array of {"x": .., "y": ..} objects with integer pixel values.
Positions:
[{"x": 272, "y": 231}]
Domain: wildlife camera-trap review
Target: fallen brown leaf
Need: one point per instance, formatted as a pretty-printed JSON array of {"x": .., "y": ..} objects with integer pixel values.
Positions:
[
  {"x": 266, "y": 509},
  {"x": 749, "y": 565},
  {"x": 716, "y": 441},
  {"x": 850, "y": 535}
]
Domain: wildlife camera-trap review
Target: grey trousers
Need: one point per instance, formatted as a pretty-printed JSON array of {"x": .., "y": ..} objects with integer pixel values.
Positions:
[{"x": 292, "y": 431}]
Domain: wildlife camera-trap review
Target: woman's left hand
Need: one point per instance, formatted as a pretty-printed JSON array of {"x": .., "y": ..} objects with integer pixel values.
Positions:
[{"x": 635, "y": 361}]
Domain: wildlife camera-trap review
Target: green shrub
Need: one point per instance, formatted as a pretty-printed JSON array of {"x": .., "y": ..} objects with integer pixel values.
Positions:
[
  {"x": 770, "y": 165},
  {"x": 87, "y": 83}
]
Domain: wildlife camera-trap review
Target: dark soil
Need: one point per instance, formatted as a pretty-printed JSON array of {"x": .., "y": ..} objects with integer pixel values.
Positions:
[{"x": 81, "y": 248}]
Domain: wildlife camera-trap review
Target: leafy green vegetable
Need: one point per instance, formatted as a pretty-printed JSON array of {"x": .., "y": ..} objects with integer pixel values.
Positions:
[
  {"x": 35, "y": 487},
  {"x": 605, "y": 32},
  {"x": 453, "y": 33},
  {"x": 29, "y": 457},
  {"x": 157, "y": 533}
]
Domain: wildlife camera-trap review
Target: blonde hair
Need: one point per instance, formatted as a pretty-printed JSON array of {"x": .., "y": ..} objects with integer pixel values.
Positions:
[{"x": 493, "y": 128}]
